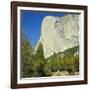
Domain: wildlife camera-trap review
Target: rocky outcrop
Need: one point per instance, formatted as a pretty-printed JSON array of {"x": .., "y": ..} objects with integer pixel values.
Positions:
[
  {"x": 61, "y": 73},
  {"x": 59, "y": 33}
]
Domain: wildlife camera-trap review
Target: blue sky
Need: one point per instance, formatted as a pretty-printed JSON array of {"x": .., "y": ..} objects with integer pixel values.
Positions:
[{"x": 31, "y": 24}]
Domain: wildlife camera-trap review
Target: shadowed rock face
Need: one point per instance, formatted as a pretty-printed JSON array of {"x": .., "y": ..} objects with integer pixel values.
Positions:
[{"x": 59, "y": 33}]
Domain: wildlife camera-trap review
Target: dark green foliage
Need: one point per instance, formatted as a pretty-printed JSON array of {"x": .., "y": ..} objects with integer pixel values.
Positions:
[
  {"x": 71, "y": 51},
  {"x": 27, "y": 61},
  {"x": 34, "y": 65},
  {"x": 39, "y": 62},
  {"x": 68, "y": 62}
]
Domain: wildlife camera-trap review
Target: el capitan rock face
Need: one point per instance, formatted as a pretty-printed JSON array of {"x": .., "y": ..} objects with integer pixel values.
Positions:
[{"x": 59, "y": 33}]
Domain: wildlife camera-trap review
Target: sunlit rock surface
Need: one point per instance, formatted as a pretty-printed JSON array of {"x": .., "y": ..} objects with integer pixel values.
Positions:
[{"x": 59, "y": 33}]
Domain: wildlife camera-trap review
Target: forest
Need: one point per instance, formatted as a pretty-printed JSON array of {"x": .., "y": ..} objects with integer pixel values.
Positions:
[{"x": 35, "y": 65}]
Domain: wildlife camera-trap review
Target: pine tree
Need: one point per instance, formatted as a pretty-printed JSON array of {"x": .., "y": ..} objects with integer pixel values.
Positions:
[{"x": 26, "y": 56}]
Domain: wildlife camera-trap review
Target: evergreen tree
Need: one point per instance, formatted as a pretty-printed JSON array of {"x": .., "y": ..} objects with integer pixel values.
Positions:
[
  {"x": 39, "y": 62},
  {"x": 27, "y": 60}
]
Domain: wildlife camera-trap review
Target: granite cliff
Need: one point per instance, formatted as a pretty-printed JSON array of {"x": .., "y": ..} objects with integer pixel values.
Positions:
[{"x": 59, "y": 34}]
